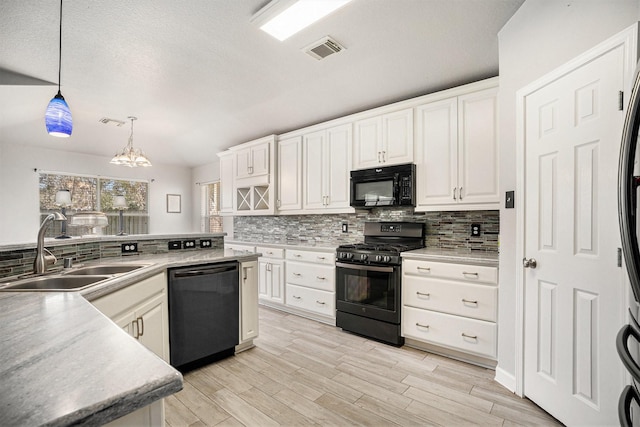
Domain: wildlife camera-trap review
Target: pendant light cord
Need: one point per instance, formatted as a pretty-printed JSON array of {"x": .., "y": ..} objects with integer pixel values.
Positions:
[{"x": 60, "y": 49}]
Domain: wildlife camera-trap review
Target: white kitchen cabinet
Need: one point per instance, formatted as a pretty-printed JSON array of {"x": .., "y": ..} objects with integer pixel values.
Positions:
[
  {"x": 457, "y": 152},
  {"x": 326, "y": 169},
  {"x": 248, "y": 304},
  {"x": 226, "y": 182},
  {"x": 253, "y": 159},
  {"x": 451, "y": 305},
  {"x": 383, "y": 140},
  {"x": 289, "y": 174},
  {"x": 310, "y": 284},
  {"x": 142, "y": 310},
  {"x": 271, "y": 275}
]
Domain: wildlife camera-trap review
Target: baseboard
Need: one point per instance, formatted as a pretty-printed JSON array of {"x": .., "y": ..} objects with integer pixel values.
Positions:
[{"x": 505, "y": 379}]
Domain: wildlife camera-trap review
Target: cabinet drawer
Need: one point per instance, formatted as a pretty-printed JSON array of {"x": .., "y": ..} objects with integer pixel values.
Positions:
[
  {"x": 317, "y": 301},
  {"x": 239, "y": 247},
  {"x": 268, "y": 252},
  {"x": 470, "y": 335},
  {"x": 445, "y": 270},
  {"x": 314, "y": 276},
  {"x": 460, "y": 298},
  {"x": 315, "y": 257}
]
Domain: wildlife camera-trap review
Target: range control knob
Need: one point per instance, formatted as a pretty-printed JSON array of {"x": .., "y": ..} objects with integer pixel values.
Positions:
[
  {"x": 349, "y": 255},
  {"x": 386, "y": 258},
  {"x": 379, "y": 258},
  {"x": 363, "y": 257}
]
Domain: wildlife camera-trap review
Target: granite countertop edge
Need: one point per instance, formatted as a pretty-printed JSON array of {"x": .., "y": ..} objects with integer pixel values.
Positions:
[{"x": 454, "y": 256}]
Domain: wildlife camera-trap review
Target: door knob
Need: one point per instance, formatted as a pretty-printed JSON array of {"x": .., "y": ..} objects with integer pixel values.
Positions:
[{"x": 529, "y": 263}]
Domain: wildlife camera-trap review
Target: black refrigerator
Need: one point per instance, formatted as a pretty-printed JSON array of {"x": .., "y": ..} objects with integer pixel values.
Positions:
[{"x": 628, "y": 339}]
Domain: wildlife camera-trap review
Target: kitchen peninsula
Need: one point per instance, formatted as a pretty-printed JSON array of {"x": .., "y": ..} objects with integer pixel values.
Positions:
[{"x": 64, "y": 362}]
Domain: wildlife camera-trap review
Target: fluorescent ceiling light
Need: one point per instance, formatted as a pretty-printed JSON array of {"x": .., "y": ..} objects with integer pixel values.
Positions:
[{"x": 282, "y": 18}]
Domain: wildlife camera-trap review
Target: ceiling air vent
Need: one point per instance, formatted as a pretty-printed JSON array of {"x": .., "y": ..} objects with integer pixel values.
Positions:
[{"x": 323, "y": 48}]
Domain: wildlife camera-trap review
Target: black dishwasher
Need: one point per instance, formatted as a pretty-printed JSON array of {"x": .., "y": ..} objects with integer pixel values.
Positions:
[{"x": 203, "y": 313}]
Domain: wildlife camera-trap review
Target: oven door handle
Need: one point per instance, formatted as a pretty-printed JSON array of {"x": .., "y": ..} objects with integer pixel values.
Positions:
[{"x": 365, "y": 267}]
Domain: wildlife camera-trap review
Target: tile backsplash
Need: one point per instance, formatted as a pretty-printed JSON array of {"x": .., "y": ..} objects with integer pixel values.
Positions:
[{"x": 444, "y": 229}]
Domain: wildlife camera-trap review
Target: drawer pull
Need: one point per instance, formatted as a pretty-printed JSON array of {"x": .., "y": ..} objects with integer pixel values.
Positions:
[
  {"x": 297, "y": 255},
  {"x": 295, "y": 297},
  {"x": 321, "y": 258},
  {"x": 464, "y": 273},
  {"x": 269, "y": 253},
  {"x": 466, "y": 301},
  {"x": 320, "y": 302},
  {"x": 422, "y": 294},
  {"x": 297, "y": 274},
  {"x": 321, "y": 278},
  {"x": 472, "y": 337},
  {"x": 424, "y": 268},
  {"x": 422, "y": 326}
]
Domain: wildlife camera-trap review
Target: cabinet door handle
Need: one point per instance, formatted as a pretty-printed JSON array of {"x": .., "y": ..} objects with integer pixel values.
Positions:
[
  {"x": 295, "y": 297},
  {"x": 472, "y": 337},
  {"x": 320, "y": 302},
  {"x": 422, "y": 326},
  {"x": 141, "y": 327},
  {"x": 455, "y": 193},
  {"x": 460, "y": 193},
  {"x": 250, "y": 170},
  {"x": 244, "y": 274},
  {"x": 384, "y": 157},
  {"x": 466, "y": 301},
  {"x": 278, "y": 203},
  {"x": 422, "y": 294},
  {"x": 379, "y": 161},
  {"x": 135, "y": 327},
  {"x": 424, "y": 268},
  {"x": 465, "y": 273},
  {"x": 321, "y": 278},
  {"x": 297, "y": 274}
]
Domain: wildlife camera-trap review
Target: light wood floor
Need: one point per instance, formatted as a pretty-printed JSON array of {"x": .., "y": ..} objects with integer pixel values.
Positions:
[{"x": 302, "y": 372}]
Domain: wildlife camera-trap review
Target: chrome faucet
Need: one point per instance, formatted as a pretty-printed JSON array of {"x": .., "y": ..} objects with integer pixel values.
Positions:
[{"x": 43, "y": 260}]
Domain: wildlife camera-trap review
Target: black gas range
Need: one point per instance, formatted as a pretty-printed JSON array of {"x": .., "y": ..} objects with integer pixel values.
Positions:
[{"x": 368, "y": 280}]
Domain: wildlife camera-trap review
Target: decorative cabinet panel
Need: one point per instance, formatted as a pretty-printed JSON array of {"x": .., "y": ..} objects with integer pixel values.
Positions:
[
  {"x": 290, "y": 174},
  {"x": 248, "y": 301},
  {"x": 457, "y": 152},
  {"x": 383, "y": 140},
  {"x": 451, "y": 305},
  {"x": 326, "y": 169},
  {"x": 226, "y": 182}
]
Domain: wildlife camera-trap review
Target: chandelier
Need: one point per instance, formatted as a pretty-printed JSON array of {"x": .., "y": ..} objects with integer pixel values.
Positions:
[{"x": 131, "y": 157}]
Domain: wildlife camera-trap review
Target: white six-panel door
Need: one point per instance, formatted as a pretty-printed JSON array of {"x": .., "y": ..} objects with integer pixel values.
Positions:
[{"x": 574, "y": 297}]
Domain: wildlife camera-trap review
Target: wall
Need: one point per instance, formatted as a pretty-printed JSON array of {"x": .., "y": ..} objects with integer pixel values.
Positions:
[
  {"x": 19, "y": 210},
  {"x": 447, "y": 230},
  {"x": 541, "y": 36}
]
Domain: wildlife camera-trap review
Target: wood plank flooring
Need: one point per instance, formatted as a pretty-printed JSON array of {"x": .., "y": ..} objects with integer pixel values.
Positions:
[{"x": 302, "y": 372}]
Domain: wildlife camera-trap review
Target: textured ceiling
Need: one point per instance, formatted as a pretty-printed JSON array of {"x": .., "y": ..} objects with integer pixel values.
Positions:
[{"x": 200, "y": 77}]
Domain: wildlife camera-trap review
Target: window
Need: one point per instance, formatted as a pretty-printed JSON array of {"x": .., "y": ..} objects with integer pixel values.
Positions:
[
  {"x": 210, "y": 219},
  {"x": 91, "y": 193}
]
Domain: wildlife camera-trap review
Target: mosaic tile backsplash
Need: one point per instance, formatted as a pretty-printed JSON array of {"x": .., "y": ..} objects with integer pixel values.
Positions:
[{"x": 447, "y": 230}]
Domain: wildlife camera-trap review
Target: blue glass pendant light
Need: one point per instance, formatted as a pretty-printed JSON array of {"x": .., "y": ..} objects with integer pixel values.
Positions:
[{"x": 57, "y": 118}]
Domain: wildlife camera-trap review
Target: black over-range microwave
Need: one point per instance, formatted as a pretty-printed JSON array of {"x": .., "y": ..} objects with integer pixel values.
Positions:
[{"x": 384, "y": 187}]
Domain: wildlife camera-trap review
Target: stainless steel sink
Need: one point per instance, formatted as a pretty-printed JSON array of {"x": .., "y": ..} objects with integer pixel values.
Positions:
[
  {"x": 55, "y": 283},
  {"x": 104, "y": 269}
]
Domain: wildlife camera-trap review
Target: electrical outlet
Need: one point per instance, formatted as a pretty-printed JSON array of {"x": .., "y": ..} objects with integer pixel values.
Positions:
[
  {"x": 174, "y": 244},
  {"x": 475, "y": 230},
  {"x": 509, "y": 199},
  {"x": 205, "y": 243},
  {"x": 188, "y": 244},
  {"x": 345, "y": 227},
  {"x": 129, "y": 248}
]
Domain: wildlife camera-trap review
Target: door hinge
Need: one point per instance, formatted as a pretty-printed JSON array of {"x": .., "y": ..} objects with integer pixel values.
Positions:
[
  {"x": 620, "y": 100},
  {"x": 619, "y": 257}
]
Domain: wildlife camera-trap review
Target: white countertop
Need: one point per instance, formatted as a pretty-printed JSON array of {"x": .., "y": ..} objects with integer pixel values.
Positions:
[{"x": 454, "y": 255}]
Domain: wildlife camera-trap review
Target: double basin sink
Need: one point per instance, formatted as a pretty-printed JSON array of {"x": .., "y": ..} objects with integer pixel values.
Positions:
[{"x": 72, "y": 280}]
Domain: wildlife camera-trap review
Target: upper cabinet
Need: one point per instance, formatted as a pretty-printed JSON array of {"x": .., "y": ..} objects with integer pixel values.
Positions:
[
  {"x": 326, "y": 169},
  {"x": 383, "y": 140},
  {"x": 247, "y": 173},
  {"x": 289, "y": 174},
  {"x": 457, "y": 151}
]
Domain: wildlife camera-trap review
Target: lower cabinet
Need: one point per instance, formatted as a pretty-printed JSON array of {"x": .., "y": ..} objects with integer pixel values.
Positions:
[
  {"x": 271, "y": 275},
  {"x": 142, "y": 311},
  {"x": 451, "y": 306},
  {"x": 310, "y": 284},
  {"x": 248, "y": 304}
]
